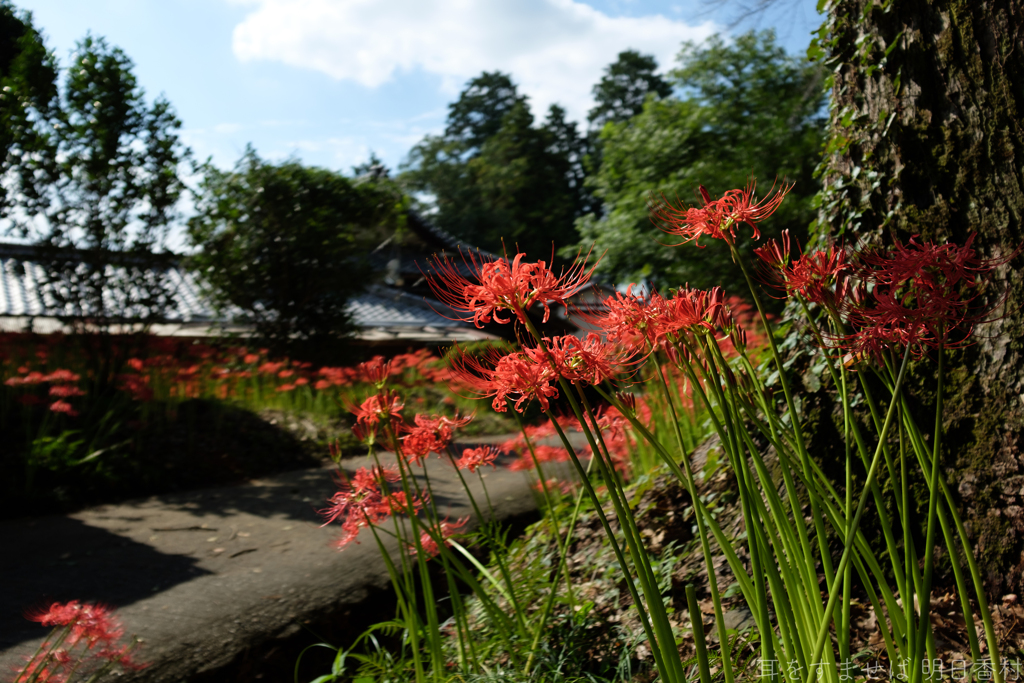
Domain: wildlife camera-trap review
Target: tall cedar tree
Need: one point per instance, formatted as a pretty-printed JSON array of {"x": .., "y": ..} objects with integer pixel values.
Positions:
[
  {"x": 498, "y": 181},
  {"x": 625, "y": 86}
]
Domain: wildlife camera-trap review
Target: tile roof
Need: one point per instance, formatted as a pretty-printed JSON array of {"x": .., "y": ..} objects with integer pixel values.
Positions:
[{"x": 382, "y": 313}]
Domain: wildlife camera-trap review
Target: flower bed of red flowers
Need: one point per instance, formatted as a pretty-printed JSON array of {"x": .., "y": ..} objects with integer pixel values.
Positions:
[{"x": 88, "y": 420}]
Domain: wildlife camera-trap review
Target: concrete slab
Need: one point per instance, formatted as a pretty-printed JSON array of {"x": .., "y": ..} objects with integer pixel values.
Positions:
[{"x": 205, "y": 576}]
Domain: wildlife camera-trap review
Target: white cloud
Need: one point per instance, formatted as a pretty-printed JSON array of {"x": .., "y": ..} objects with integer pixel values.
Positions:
[{"x": 555, "y": 50}]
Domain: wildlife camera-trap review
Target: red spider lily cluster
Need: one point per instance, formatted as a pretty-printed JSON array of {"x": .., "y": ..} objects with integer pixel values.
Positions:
[
  {"x": 172, "y": 369},
  {"x": 522, "y": 376},
  {"x": 84, "y": 641},
  {"x": 475, "y": 458},
  {"x": 503, "y": 290},
  {"x": 63, "y": 385},
  {"x": 366, "y": 499},
  {"x": 369, "y": 496},
  {"x": 916, "y": 296}
]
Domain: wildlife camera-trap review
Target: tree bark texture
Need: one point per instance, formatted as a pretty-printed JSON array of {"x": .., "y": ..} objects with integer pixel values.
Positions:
[{"x": 927, "y": 138}]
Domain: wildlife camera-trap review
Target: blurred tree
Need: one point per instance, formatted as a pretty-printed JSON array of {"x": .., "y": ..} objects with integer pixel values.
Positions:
[
  {"x": 622, "y": 91},
  {"x": 478, "y": 114},
  {"x": 494, "y": 175},
  {"x": 29, "y": 107},
  {"x": 620, "y": 95},
  {"x": 278, "y": 246},
  {"x": 101, "y": 209},
  {"x": 746, "y": 109}
]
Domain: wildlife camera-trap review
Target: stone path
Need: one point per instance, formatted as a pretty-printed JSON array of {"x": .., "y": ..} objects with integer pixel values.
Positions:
[{"x": 207, "y": 578}]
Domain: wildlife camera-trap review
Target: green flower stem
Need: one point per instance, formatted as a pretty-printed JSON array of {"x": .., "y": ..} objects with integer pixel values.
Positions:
[
  {"x": 844, "y": 626},
  {"x": 627, "y": 574},
  {"x": 564, "y": 567},
  {"x": 990, "y": 636},
  {"x": 876, "y": 493},
  {"x": 691, "y": 486},
  {"x": 494, "y": 611},
  {"x": 697, "y": 623},
  {"x": 840, "y": 521},
  {"x": 663, "y": 647},
  {"x": 430, "y": 604},
  {"x": 807, "y": 588},
  {"x": 411, "y": 618},
  {"x": 807, "y": 566},
  {"x": 563, "y": 549},
  {"x": 634, "y": 542},
  {"x": 724, "y": 543},
  {"x": 848, "y": 546},
  {"x": 747, "y": 508},
  {"x": 798, "y": 437},
  {"x": 923, "y": 453}
]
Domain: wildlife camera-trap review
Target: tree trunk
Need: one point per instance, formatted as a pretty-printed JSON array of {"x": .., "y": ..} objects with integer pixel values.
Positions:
[{"x": 926, "y": 138}]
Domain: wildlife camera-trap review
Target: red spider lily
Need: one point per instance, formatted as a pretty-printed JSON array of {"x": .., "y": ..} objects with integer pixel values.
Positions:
[
  {"x": 371, "y": 479},
  {"x": 474, "y": 458},
  {"x": 365, "y": 501},
  {"x": 773, "y": 254},
  {"x": 89, "y": 623},
  {"x": 631, "y": 320},
  {"x": 444, "y": 531},
  {"x": 501, "y": 285},
  {"x": 29, "y": 379},
  {"x": 615, "y": 432},
  {"x": 717, "y": 218},
  {"x": 922, "y": 297},
  {"x": 820, "y": 277},
  {"x": 541, "y": 452},
  {"x": 589, "y": 360},
  {"x": 384, "y": 407},
  {"x": 65, "y": 391},
  {"x": 520, "y": 377},
  {"x": 513, "y": 376},
  {"x": 693, "y": 310},
  {"x": 64, "y": 407},
  {"x": 375, "y": 371},
  {"x": 398, "y": 502},
  {"x": 62, "y": 376},
  {"x": 561, "y": 485},
  {"x": 643, "y": 322},
  {"x": 430, "y": 434}
]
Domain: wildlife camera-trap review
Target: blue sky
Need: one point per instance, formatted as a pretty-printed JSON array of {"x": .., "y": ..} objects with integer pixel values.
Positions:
[{"x": 329, "y": 81}]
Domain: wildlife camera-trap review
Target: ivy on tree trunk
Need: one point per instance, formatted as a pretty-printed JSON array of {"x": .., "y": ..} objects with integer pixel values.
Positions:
[{"x": 927, "y": 138}]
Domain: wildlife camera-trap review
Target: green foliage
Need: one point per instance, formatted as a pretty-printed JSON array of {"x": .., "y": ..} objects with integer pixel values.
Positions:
[
  {"x": 746, "y": 109},
  {"x": 496, "y": 176},
  {"x": 278, "y": 244}
]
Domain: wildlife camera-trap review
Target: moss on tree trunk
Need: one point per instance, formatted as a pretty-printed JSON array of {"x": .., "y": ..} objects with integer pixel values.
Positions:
[{"x": 927, "y": 138}]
